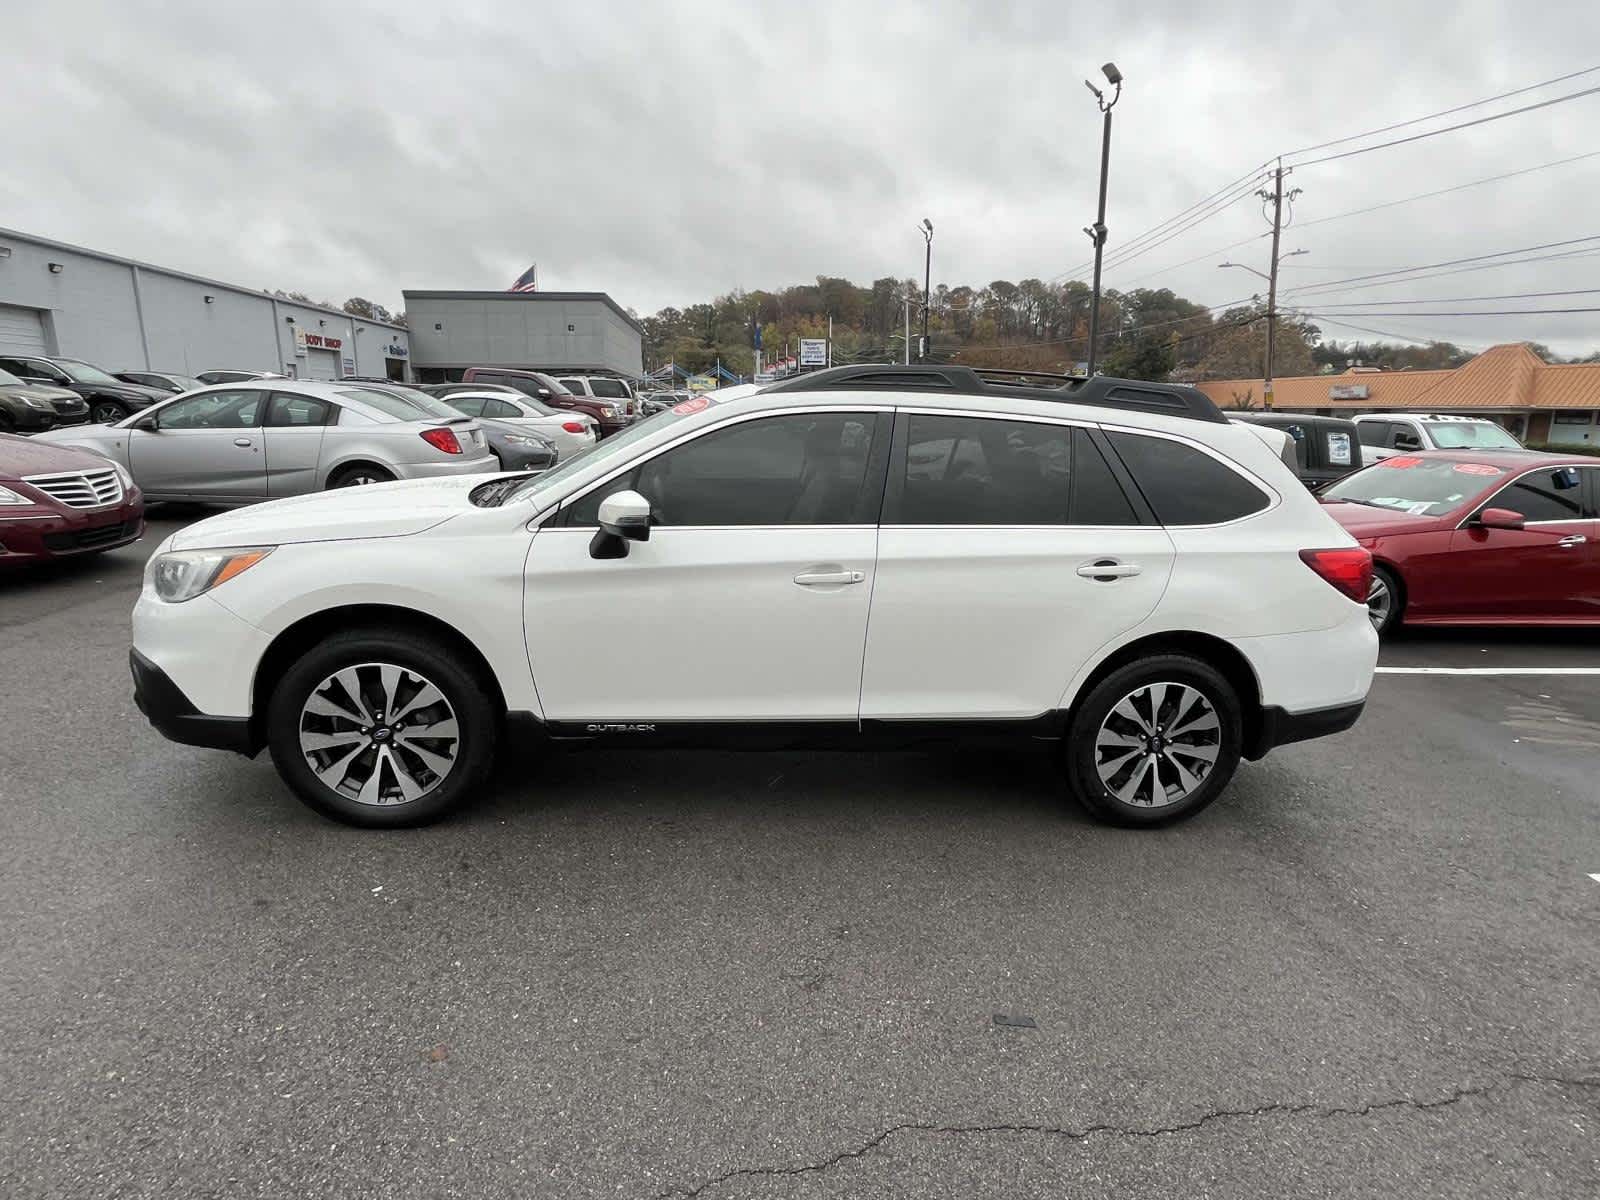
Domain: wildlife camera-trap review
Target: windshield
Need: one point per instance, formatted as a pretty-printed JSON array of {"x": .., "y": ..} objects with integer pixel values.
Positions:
[
  {"x": 1421, "y": 487},
  {"x": 82, "y": 372},
  {"x": 403, "y": 403},
  {"x": 1470, "y": 435},
  {"x": 7, "y": 379},
  {"x": 542, "y": 485}
]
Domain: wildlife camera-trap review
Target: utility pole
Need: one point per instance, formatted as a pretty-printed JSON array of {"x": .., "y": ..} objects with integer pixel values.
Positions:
[
  {"x": 926, "y": 228},
  {"x": 830, "y": 339},
  {"x": 1276, "y": 196},
  {"x": 908, "y": 331}
]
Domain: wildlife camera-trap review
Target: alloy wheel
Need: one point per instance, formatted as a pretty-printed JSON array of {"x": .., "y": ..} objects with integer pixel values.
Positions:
[
  {"x": 1380, "y": 603},
  {"x": 106, "y": 414},
  {"x": 1158, "y": 744},
  {"x": 379, "y": 734}
]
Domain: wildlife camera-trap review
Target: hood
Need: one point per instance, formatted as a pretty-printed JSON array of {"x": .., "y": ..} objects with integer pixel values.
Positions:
[
  {"x": 39, "y": 391},
  {"x": 377, "y": 511},
  {"x": 1365, "y": 521},
  {"x": 21, "y": 456}
]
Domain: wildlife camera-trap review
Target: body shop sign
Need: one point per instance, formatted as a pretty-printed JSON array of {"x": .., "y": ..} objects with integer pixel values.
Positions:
[{"x": 317, "y": 341}]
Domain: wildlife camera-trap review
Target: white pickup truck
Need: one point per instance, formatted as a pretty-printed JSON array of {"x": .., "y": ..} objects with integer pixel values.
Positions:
[{"x": 1386, "y": 434}]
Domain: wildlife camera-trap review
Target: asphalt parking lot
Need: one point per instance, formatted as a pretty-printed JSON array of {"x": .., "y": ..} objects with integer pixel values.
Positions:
[{"x": 1370, "y": 969}]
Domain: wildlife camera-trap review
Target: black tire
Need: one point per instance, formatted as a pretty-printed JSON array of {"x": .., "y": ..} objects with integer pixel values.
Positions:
[
  {"x": 105, "y": 412},
  {"x": 1081, "y": 758},
  {"x": 1396, "y": 592},
  {"x": 7, "y": 425},
  {"x": 357, "y": 474},
  {"x": 470, "y": 701}
]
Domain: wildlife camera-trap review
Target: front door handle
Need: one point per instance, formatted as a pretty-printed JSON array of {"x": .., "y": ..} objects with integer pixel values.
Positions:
[
  {"x": 821, "y": 578},
  {"x": 241, "y": 441},
  {"x": 1571, "y": 540},
  {"x": 1107, "y": 570}
]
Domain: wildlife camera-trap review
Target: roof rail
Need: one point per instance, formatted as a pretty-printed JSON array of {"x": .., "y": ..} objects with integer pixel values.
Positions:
[{"x": 1169, "y": 399}]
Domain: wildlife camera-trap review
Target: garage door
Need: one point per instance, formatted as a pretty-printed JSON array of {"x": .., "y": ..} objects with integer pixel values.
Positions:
[
  {"x": 322, "y": 364},
  {"x": 21, "y": 330}
]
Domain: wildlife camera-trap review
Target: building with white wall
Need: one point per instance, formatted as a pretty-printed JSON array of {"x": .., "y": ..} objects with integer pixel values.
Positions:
[{"x": 561, "y": 332}]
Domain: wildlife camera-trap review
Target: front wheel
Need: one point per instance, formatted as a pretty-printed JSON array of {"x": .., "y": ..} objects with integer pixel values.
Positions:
[
  {"x": 382, "y": 729},
  {"x": 1155, "y": 741},
  {"x": 107, "y": 412}
]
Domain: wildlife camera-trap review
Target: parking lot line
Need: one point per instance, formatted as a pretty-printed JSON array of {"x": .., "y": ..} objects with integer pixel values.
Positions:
[{"x": 1488, "y": 670}]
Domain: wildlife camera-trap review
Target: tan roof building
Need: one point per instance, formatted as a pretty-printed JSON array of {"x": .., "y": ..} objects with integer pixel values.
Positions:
[{"x": 1538, "y": 401}]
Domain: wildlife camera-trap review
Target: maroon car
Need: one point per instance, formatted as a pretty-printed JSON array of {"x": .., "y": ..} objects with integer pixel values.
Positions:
[
  {"x": 1461, "y": 537},
  {"x": 56, "y": 502},
  {"x": 610, "y": 415}
]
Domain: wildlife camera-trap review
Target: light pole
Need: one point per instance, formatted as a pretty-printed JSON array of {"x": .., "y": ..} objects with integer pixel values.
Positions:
[
  {"x": 1097, "y": 231},
  {"x": 926, "y": 229}
]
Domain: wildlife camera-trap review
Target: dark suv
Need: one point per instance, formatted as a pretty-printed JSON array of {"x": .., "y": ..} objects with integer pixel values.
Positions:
[
  {"x": 109, "y": 398},
  {"x": 610, "y": 415},
  {"x": 32, "y": 407},
  {"x": 1325, "y": 448}
]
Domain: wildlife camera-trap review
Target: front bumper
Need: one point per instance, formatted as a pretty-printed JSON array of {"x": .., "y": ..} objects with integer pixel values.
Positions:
[
  {"x": 175, "y": 717},
  {"x": 1279, "y": 727},
  {"x": 46, "y": 531},
  {"x": 37, "y": 420}
]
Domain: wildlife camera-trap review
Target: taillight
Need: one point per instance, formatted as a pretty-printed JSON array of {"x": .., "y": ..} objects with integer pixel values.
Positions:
[
  {"x": 573, "y": 426},
  {"x": 1347, "y": 570},
  {"x": 442, "y": 439}
]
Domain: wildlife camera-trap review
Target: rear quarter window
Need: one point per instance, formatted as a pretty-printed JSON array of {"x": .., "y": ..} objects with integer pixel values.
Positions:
[{"x": 1184, "y": 485}]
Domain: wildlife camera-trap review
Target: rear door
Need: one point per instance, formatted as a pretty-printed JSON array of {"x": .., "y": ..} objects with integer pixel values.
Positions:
[
  {"x": 1008, "y": 554},
  {"x": 205, "y": 447},
  {"x": 293, "y": 433}
]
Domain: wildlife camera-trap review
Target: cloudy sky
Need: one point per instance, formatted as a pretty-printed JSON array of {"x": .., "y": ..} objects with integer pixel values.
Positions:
[{"x": 666, "y": 152}]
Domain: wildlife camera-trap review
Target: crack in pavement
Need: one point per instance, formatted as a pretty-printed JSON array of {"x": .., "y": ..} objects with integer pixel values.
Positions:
[{"x": 1318, "y": 1111}]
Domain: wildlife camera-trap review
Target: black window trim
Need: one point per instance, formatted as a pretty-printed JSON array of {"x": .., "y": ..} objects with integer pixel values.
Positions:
[
  {"x": 894, "y": 486},
  {"x": 215, "y": 389},
  {"x": 1586, "y": 496},
  {"x": 274, "y": 393},
  {"x": 555, "y": 517},
  {"x": 1274, "y": 497}
]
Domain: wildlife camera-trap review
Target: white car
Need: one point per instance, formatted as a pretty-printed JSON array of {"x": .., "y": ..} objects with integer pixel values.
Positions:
[
  {"x": 1106, "y": 569},
  {"x": 1384, "y": 435},
  {"x": 573, "y": 433}
]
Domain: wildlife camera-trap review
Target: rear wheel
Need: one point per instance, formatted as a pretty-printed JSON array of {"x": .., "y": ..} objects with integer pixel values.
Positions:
[
  {"x": 1385, "y": 601},
  {"x": 382, "y": 729},
  {"x": 105, "y": 412},
  {"x": 1155, "y": 741},
  {"x": 359, "y": 475}
]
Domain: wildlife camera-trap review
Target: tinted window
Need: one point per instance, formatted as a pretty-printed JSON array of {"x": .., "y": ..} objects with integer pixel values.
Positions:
[
  {"x": 575, "y": 386},
  {"x": 1555, "y": 495},
  {"x": 1405, "y": 437},
  {"x": 806, "y": 469},
  {"x": 1421, "y": 487},
  {"x": 471, "y": 405},
  {"x": 609, "y": 387},
  {"x": 285, "y": 410},
  {"x": 1097, "y": 497},
  {"x": 1184, "y": 485},
  {"x": 1373, "y": 433},
  {"x": 214, "y": 410},
  {"x": 500, "y": 408}
]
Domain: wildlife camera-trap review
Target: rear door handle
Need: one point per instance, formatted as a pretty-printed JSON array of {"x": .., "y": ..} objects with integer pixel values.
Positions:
[
  {"x": 820, "y": 578},
  {"x": 1575, "y": 539},
  {"x": 241, "y": 441},
  {"x": 1106, "y": 570}
]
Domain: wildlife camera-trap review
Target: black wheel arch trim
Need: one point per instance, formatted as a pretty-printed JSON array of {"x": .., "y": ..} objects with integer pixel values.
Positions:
[{"x": 175, "y": 716}]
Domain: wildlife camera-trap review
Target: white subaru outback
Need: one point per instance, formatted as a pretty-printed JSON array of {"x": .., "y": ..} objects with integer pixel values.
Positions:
[{"x": 858, "y": 557}]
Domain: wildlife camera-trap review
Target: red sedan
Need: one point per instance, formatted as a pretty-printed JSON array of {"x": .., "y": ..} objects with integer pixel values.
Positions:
[
  {"x": 1477, "y": 538},
  {"x": 56, "y": 502}
]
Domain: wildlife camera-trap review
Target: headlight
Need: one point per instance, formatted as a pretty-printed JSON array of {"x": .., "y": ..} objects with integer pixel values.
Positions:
[
  {"x": 35, "y": 402},
  {"x": 7, "y": 496},
  {"x": 184, "y": 574},
  {"x": 517, "y": 439},
  {"x": 122, "y": 474}
]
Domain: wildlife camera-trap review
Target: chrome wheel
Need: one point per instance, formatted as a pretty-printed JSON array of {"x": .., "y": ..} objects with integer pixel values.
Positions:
[
  {"x": 1158, "y": 745},
  {"x": 379, "y": 734},
  {"x": 1380, "y": 603}
]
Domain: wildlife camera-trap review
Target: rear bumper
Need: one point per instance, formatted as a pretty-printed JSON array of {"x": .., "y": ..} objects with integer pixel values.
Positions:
[
  {"x": 175, "y": 717},
  {"x": 1279, "y": 727},
  {"x": 481, "y": 464}
]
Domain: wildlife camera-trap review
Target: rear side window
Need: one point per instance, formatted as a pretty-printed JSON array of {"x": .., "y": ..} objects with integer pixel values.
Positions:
[
  {"x": 499, "y": 409},
  {"x": 612, "y": 388},
  {"x": 286, "y": 410},
  {"x": 1184, "y": 485},
  {"x": 575, "y": 386},
  {"x": 991, "y": 471},
  {"x": 471, "y": 405},
  {"x": 1373, "y": 433}
]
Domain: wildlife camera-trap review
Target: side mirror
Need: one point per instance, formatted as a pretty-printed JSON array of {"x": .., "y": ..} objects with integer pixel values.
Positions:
[
  {"x": 624, "y": 518},
  {"x": 544, "y": 393},
  {"x": 1501, "y": 518},
  {"x": 150, "y": 423}
]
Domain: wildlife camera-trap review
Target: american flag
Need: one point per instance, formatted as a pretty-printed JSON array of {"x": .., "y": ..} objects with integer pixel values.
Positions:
[{"x": 528, "y": 281}]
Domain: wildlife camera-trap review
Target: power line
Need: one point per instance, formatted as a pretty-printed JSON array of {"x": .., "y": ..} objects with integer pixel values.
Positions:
[
  {"x": 1482, "y": 312},
  {"x": 1331, "y": 283},
  {"x": 1462, "y": 299},
  {"x": 1482, "y": 266},
  {"x": 1355, "y": 137},
  {"x": 1254, "y": 237},
  {"x": 1129, "y": 253},
  {"x": 1386, "y": 333},
  {"x": 1417, "y": 137}
]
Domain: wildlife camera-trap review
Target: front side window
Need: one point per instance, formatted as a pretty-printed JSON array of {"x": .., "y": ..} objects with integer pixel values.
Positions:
[
  {"x": 575, "y": 386},
  {"x": 1551, "y": 495},
  {"x": 799, "y": 469},
  {"x": 1185, "y": 485},
  {"x": 213, "y": 410},
  {"x": 1373, "y": 433}
]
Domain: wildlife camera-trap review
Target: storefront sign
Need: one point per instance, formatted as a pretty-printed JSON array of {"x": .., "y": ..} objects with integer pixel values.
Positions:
[
  {"x": 317, "y": 341},
  {"x": 396, "y": 350},
  {"x": 1349, "y": 391},
  {"x": 299, "y": 342}
]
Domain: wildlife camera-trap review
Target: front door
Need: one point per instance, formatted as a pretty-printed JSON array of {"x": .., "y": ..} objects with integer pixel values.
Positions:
[
  {"x": 1009, "y": 554},
  {"x": 748, "y": 603},
  {"x": 1545, "y": 571},
  {"x": 204, "y": 447}
]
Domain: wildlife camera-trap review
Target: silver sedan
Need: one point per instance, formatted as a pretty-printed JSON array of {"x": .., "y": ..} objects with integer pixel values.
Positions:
[{"x": 237, "y": 443}]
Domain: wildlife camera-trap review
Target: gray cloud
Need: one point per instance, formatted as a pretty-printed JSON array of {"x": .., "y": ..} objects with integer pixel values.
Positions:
[{"x": 667, "y": 152}]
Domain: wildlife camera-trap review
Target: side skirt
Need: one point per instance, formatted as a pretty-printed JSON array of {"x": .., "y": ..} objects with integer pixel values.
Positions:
[{"x": 1042, "y": 732}]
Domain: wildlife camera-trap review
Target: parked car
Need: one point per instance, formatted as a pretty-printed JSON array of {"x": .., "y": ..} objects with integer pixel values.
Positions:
[
  {"x": 239, "y": 443},
  {"x": 1325, "y": 448},
  {"x": 1383, "y": 434},
  {"x": 604, "y": 387},
  {"x": 610, "y": 416},
  {"x": 651, "y": 403},
  {"x": 166, "y": 381},
  {"x": 1108, "y": 569},
  {"x": 29, "y": 407},
  {"x": 108, "y": 398},
  {"x": 56, "y": 502},
  {"x": 572, "y": 433},
  {"x": 1464, "y": 537},
  {"x": 228, "y": 376},
  {"x": 514, "y": 448}
]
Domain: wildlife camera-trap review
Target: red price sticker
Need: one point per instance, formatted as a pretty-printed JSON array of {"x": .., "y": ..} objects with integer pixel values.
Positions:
[
  {"x": 1476, "y": 469},
  {"x": 1402, "y": 461},
  {"x": 690, "y": 407}
]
